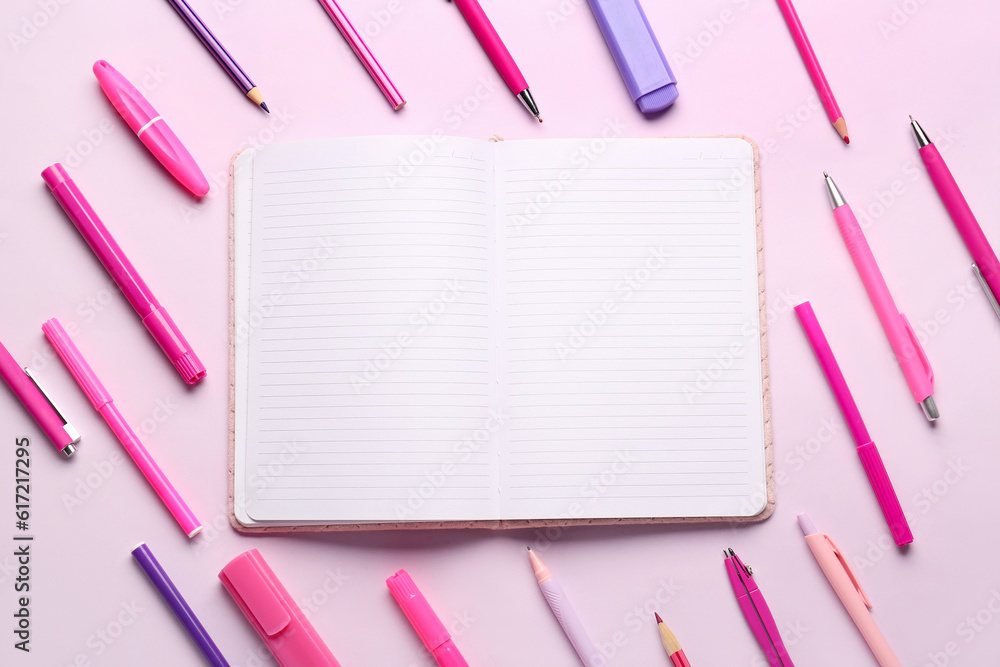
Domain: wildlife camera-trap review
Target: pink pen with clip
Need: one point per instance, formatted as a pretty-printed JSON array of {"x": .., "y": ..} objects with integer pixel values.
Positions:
[
  {"x": 104, "y": 404},
  {"x": 154, "y": 316},
  {"x": 909, "y": 353},
  {"x": 847, "y": 587},
  {"x": 429, "y": 627},
  {"x": 985, "y": 264},
  {"x": 755, "y": 610},
  {"x": 870, "y": 458},
  {"x": 151, "y": 129}
]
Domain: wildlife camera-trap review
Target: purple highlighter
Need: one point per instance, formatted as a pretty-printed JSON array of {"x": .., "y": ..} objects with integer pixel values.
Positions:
[{"x": 638, "y": 55}]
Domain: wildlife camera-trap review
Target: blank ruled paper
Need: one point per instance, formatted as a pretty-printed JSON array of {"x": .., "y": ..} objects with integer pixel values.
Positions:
[
  {"x": 449, "y": 329},
  {"x": 631, "y": 363}
]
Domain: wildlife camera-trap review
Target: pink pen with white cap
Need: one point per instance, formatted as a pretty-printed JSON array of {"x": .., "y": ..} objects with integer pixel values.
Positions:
[
  {"x": 141, "y": 298},
  {"x": 429, "y": 627},
  {"x": 272, "y": 612},
  {"x": 104, "y": 404},
  {"x": 151, "y": 129},
  {"x": 565, "y": 614}
]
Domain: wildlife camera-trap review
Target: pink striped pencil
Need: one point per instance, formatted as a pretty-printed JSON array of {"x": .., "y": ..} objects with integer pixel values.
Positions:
[{"x": 815, "y": 71}]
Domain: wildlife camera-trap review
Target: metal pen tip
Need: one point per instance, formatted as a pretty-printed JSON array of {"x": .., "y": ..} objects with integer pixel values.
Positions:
[
  {"x": 922, "y": 138},
  {"x": 836, "y": 198},
  {"x": 930, "y": 408}
]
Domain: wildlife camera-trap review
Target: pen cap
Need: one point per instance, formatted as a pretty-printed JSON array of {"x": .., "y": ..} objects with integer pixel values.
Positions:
[
  {"x": 128, "y": 102},
  {"x": 648, "y": 77},
  {"x": 77, "y": 365},
  {"x": 274, "y": 615},
  {"x": 417, "y": 610}
]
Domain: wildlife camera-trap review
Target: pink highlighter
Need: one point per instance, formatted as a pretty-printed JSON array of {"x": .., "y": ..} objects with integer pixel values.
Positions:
[
  {"x": 272, "y": 612},
  {"x": 418, "y": 611},
  {"x": 151, "y": 129}
]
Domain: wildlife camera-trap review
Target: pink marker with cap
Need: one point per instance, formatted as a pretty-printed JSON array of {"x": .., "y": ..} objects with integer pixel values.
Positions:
[
  {"x": 105, "y": 406},
  {"x": 272, "y": 612},
  {"x": 97, "y": 236},
  {"x": 871, "y": 460},
  {"x": 151, "y": 129},
  {"x": 423, "y": 619}
]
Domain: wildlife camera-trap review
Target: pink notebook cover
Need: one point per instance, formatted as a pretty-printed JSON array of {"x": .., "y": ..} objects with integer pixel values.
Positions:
[{"x": 506, "y": 524}]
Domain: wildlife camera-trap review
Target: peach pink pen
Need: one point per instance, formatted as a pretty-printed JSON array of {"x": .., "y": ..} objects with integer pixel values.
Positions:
[{"x": 565, "y": 614}]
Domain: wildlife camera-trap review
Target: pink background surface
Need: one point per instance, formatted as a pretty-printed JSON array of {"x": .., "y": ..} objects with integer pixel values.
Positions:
[{"x": 938, "y": 603}]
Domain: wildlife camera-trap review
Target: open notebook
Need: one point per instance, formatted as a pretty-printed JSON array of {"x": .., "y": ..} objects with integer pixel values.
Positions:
[{"x": 445, "y": 331}]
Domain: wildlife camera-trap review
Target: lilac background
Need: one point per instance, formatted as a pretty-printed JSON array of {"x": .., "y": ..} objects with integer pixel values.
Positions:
[{"x": 738, "y": 72}]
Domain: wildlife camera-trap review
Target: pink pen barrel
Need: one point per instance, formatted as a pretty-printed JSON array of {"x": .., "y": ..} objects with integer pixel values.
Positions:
[
  {"x": 147, "y": 466},
  {"x": 903, "y": 340},
  {"x": 961, "y": 214},
  {"x": 885, "y": 494},
  {"x": 34, "y": 402},
  {"x": 493, "y": 45}
]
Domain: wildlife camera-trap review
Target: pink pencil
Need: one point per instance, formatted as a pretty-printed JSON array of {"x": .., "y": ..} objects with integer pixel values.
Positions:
[
  {"x": 363, "y": 53},
  {"x": 815, "y": 71},
  {"x": 104, "y": 404}
]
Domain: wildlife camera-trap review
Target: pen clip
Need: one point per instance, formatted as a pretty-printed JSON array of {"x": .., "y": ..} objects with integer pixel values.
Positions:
[
  {"x": 986, "y": 288},
  {"x": 71, "y": 431},
  {"x": 918, "y": 348},
  {"x": 850, "y": 572}
]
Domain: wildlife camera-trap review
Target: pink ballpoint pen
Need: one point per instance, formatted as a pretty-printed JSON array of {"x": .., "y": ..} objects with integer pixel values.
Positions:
[
  {"x": 104, "y": 404},
  {"x": 498, "y": 53},
  {"x": 912, "y": 360},
  {"x": 151, "y": 129},
  {"x": 565, "y": 614},
  {"x": 363, "y": 53},
  {"x": 755, "y": 611},
  {"x": 871, "y": 461},
  {"x": 985, "y": 264},
  {"x": 847, "y": 587}
]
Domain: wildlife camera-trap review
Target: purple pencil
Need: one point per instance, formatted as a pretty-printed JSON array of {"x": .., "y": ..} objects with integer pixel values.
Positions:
[
  {"x": 147, "y": 561},
  {"x": 219, "y": 51}
]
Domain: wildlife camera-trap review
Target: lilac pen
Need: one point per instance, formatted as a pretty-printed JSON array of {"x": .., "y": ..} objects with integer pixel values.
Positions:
[
  {"x": 565, "y": 614},
  {"x": 105, "y": 406},
  {"x": 870, "y": 458},
  {"x": 158, "y": 576}
]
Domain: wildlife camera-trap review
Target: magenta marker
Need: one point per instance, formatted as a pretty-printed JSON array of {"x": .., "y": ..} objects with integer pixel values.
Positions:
[
  {"x": 151, "y": 129},
  {"x": 97, "y": 236},
  {"x": 647, "y": 75}
]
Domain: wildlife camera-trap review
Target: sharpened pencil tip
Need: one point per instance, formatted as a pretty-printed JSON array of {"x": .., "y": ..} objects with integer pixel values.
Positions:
[
  {"x": 529, "y": 548},
  {"x": 847, "y": 139},
  {"x": 658, "y": 619},
  {"x": 264, "y": 107}
]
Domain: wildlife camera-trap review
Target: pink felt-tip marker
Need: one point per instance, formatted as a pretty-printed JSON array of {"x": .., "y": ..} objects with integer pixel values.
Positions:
[
  {"x": 104, "y": 404},
  {"x": 429, "y": 627},
  {"x": 909, "y": 353},
  {"x": 498, "y": 53},
  {"x": 151, "y": 129},
  {"x": 363, "y": 53},
  {"x": 155, "y": 318},
  {"x": 870, "y": 458},
  {"x": 847, "y": 587}
]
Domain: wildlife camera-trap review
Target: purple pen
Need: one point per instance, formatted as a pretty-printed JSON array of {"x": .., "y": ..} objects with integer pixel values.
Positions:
[
  {"x": 647, "y": 75},
  {"x": 147, "y": 561}
]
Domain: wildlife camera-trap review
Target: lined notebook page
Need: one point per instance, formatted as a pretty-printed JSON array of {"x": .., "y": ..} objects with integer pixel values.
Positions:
[
  {"x": 631, "y": 379},
  {"x": 368, "y": 354}
]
